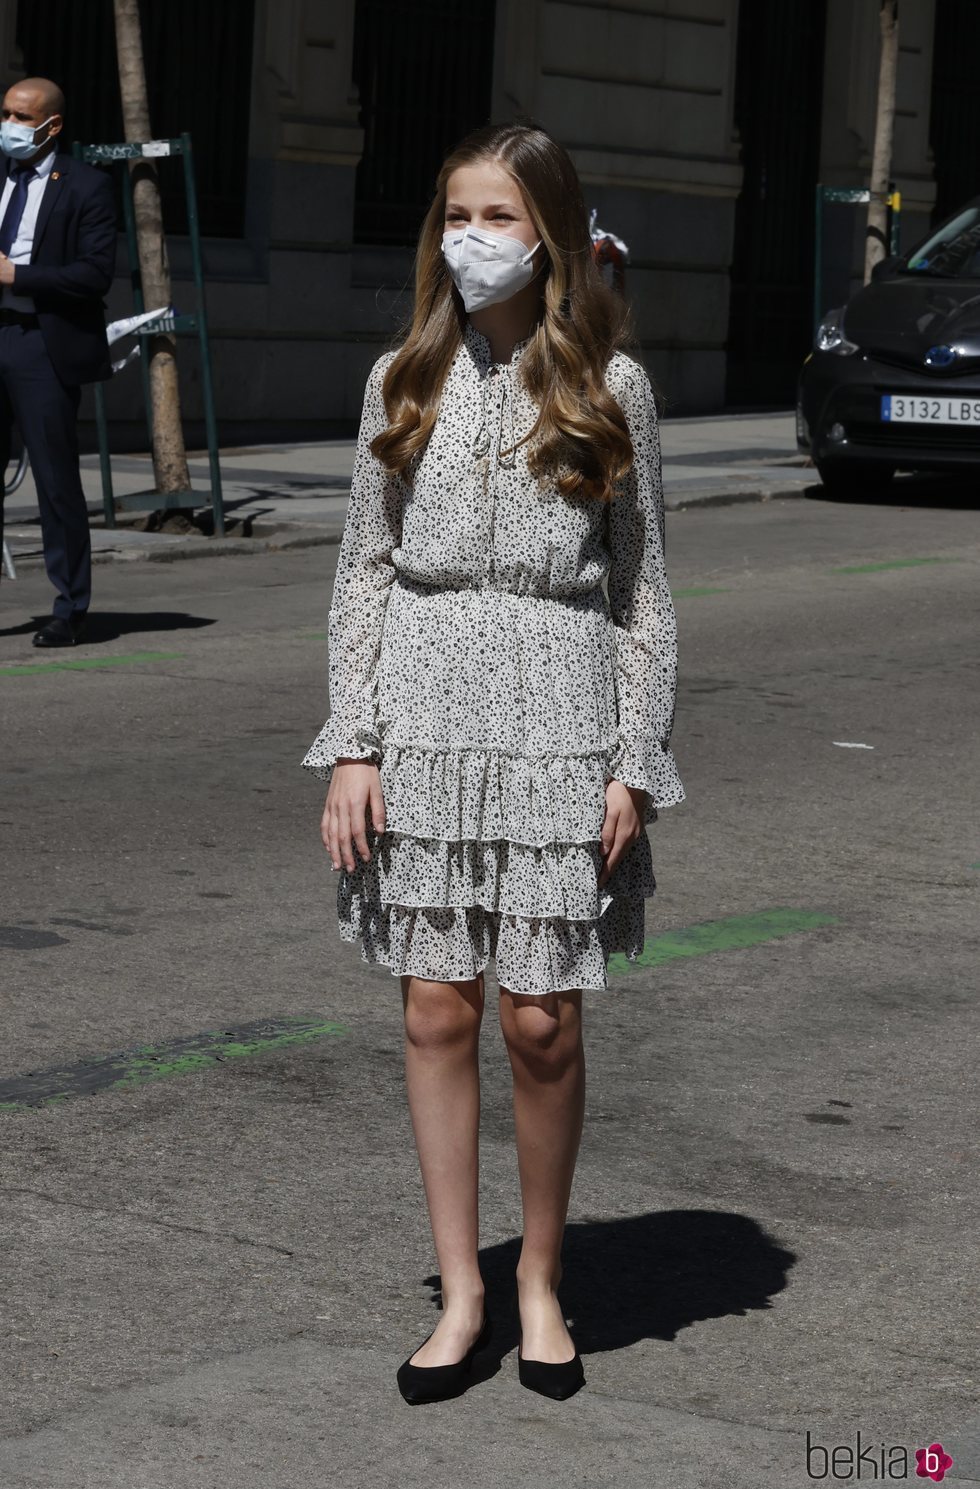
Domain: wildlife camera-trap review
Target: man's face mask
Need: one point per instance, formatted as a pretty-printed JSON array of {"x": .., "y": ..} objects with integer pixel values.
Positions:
[
  {"x": 487, "y": 267},
  {"x": 17, "y": 140}
]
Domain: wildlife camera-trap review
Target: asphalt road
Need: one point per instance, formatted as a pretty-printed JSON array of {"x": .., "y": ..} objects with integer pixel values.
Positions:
[{"x": 212, "y": 1275}]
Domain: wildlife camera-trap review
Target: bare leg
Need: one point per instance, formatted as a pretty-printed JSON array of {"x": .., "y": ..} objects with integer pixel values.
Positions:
[
  {"x": 442, "y": 1033},
  {"x": 544, "y": 1042}
]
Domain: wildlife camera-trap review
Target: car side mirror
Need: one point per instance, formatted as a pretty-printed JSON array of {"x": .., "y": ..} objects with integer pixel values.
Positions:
[{"x": 885, "y": 268}]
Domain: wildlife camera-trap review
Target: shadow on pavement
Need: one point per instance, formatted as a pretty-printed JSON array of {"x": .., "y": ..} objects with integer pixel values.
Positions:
[
  {"x": 955, "y": 493},
  {"x": 109, "y": 625},
  {"x": 644, "y": 1277}
]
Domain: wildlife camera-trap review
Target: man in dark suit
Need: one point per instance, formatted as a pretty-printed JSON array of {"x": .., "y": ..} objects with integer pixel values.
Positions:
[{"x": 57, "y": 255}]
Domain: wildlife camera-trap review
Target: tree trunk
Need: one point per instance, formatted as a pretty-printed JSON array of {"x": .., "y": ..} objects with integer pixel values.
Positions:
[
  {"x": 169, "y": 458},
  {"x": 876, "y": 244}
]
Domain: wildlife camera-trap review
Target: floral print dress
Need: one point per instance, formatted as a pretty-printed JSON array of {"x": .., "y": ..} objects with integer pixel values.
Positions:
[{"x": 474, "y": 655}]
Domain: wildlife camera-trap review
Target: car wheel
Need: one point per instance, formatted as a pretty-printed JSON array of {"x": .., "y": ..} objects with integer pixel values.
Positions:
[{"x": 850, "y": 481}]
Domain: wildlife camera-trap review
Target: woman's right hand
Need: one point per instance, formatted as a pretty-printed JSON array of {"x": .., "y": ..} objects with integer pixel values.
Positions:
[{"x": 354, "y": 786}]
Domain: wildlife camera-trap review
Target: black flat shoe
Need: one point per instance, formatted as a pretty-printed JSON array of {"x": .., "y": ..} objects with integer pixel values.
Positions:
[
  {"x": 420, "y": 1383},
  {"x": 557, "y": 1381}
]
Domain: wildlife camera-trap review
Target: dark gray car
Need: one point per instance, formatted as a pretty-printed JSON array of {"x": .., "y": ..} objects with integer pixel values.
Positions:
[{"x": 893, "y": 381}]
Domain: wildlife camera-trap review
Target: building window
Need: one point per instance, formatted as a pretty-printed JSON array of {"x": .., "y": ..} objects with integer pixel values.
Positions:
[
  {"x": 778, "y": 87},
  {"x": 198, "y": 60},
  {"x": 954, "y": 125},
  {"x": 424, "y": 74}
]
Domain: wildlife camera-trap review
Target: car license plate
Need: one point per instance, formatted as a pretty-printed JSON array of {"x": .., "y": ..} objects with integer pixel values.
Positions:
[{"x": 899, "y": 408}]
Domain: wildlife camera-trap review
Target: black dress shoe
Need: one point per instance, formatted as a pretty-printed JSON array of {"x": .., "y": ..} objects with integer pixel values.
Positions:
[
  {"x": 557, "y": 1381},
  {"x": 421, "y": 1383},
  {"x": 60, "y": 631}
]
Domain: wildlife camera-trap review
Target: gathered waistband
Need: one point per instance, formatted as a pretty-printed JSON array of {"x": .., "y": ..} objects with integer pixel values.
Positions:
[{"x": 592, "y": 598}]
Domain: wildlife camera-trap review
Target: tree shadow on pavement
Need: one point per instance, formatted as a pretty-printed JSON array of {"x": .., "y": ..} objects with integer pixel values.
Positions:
[
  {"x": 109, "y": 625},
  {"x": 645, "y": 1276}
]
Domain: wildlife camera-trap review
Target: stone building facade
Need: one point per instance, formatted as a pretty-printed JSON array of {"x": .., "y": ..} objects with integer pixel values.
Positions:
[{"x": 699, "y": 129}]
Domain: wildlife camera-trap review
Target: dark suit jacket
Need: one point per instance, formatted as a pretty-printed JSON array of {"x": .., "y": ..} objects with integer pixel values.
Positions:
[{"x": 71, "y": 268}]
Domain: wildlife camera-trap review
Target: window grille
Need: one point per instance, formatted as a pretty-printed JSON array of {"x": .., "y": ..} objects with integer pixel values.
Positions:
[
  {"x": 198, "y": 60},
  {"x": 423, "y": 71}
]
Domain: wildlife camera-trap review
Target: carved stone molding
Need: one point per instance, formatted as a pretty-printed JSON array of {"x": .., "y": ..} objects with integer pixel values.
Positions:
[{"x": 308, "y": 52}]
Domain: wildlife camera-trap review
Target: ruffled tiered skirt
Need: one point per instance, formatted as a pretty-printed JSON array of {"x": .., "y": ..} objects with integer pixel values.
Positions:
[{"x": 497, "y": 716}]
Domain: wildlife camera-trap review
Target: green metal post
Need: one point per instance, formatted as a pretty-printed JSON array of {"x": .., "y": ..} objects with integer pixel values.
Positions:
[
  {"x": 136, "y": 280},
  {"x": 101, "y": 424},
  {"x": 894, "y": 218},
  {"x": 207, "y": 390},
  {"x": 105, "y": 465}
]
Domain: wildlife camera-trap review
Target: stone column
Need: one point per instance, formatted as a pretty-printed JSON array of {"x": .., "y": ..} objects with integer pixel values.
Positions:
[{"x": 643, "y": 103}]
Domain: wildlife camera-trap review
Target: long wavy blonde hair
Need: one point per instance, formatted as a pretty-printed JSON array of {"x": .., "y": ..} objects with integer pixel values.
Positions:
[{"x": 580, "y": 439}]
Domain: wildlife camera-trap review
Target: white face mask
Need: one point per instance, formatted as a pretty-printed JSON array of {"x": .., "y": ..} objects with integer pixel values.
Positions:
[{"x": 487, "y": 267}]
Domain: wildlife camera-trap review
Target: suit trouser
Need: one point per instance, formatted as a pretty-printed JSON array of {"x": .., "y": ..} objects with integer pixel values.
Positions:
[{"x": 45, "y": 410}]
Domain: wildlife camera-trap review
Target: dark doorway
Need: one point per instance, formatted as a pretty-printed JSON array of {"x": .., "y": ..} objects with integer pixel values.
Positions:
[
  {"x": 954, "y": 125},
  {"x": 423, "y": 73},
  {"x": 778, "y": 98}
]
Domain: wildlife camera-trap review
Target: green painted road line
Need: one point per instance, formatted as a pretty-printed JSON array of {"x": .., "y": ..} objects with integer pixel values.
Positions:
[
  {"x": 730, "y": 934},
  {"x": 79, "y": 664},
  {"x": 975, "y": 865},
  {"x": 154, "y": 1062},
  {"x": 691, "y": 594},
  {"x": 895, "y": 563}
]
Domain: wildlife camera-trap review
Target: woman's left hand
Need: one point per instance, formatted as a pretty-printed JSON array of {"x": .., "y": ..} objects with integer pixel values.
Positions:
[{"x": 622, "y": 824}]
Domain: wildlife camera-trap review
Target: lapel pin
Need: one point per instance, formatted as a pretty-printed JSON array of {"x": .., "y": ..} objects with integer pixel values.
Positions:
[{"x": 56, "y": 175}]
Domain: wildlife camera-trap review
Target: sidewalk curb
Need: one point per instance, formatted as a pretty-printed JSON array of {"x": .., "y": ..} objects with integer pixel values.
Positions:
[
  {"x": 692, "y": 500},
  {"x": 209, "y": 548},
  {"x": 280, "y": 543},
  {"x": 219, "y": 547}
]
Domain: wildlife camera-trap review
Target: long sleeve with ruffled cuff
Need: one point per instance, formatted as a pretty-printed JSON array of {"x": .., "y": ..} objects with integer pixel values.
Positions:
[
  {"x": 365, "y": 573},
  {"x": 644, "y": 624}
]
